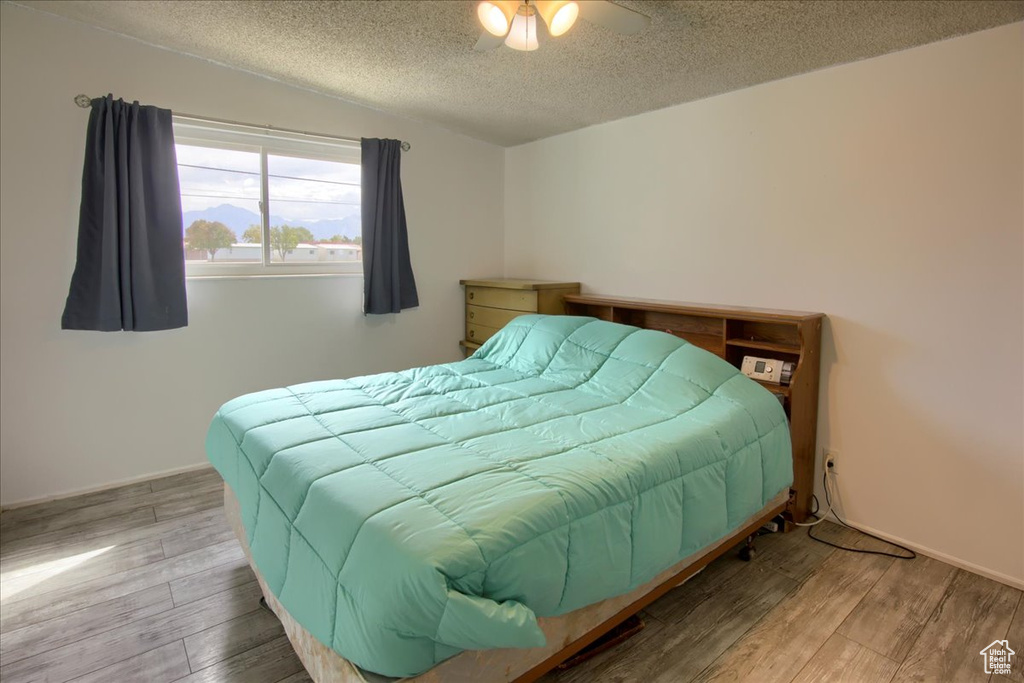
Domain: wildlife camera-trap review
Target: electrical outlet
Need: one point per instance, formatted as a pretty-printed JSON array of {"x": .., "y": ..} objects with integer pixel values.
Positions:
[{"x": 831, "y": 460}]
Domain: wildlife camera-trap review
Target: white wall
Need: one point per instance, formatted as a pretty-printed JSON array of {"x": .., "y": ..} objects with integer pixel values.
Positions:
[
  {"x": 888, "y": 194},
  {"x": 82, "y": 409}
]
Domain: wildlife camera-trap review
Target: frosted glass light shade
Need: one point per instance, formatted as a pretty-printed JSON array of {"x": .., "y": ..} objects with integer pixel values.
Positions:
[
  {"x": 559, "y": 15},
  {"x": 523, "y": 34},
  {"x": 496, "y": 15}
]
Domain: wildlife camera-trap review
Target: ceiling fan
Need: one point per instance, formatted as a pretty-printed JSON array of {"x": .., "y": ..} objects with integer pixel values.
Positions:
[{"x": 514, "y": 22}]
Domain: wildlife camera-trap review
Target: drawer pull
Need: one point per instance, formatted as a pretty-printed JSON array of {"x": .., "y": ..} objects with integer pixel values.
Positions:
[
  {"x": 472, "y": 333},
  {"x": 472, "y": 294},
  {"x": 472, "y": 314}
]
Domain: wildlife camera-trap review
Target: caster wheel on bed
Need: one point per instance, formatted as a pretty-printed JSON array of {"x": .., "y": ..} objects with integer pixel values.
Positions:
[{"x": 748, "y": 551}]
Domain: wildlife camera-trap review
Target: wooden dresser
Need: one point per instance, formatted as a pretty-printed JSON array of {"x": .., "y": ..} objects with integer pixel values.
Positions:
[{"x": 490, "y": 304}]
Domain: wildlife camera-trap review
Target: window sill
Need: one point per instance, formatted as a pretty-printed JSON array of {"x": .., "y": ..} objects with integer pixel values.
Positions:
[
  {"x": 269, "y": 276},
  {"x": 234, "y": 271}
]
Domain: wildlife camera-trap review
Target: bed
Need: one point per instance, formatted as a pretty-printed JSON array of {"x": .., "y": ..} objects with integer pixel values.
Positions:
[{"x": 497, "y": 504}]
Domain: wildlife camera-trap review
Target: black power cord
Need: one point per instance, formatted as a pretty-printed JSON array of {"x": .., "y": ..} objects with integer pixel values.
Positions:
[{"x": 828, "y": 500}]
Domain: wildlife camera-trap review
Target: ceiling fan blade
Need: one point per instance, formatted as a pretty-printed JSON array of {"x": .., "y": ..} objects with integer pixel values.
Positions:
[
  {"x": 612, "y": 16},
  {"x": 488, "y": 41}
]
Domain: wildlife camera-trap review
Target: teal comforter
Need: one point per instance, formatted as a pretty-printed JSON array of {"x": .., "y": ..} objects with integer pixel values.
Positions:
[{"x": 404, "y": 517}]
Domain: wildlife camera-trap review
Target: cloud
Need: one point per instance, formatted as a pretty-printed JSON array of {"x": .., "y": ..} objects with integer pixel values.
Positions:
[{"x": 299, "y": 189}]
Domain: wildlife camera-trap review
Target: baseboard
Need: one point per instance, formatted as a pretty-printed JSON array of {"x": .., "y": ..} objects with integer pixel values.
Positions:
[
  {"x": 1010, "y": 581},
  {"x": 104, "y": 487}
]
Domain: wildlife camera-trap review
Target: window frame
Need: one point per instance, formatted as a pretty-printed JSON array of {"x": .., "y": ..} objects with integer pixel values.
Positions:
[{"x": 266, "y": 142}]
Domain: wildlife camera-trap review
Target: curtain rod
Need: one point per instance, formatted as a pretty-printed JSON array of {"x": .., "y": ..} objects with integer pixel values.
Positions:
[{"x": 84, "y": 101}]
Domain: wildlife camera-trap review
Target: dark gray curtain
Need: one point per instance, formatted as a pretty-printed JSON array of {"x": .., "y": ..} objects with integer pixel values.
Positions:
[
  {"x": 388, "y": 282},
  {"x": 130, "y": 273}
]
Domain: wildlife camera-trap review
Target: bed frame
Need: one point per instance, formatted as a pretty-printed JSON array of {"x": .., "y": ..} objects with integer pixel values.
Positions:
[{"x": 729, "y": 332}]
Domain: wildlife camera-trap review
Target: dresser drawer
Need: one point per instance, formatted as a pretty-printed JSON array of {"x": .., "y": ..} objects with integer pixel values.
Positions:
[
  {"x": 479, "y": 333},
  {"x": 490, "y": 317},
  {"x": 515, "y": 299}
]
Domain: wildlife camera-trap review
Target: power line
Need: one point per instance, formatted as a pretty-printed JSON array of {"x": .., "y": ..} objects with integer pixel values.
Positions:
[
  {"x": 273, "y": 200},
  {"x": 272, "y": 175},
  {"x": 215, "y": 168},
  {"x": 314, "y": 180}
]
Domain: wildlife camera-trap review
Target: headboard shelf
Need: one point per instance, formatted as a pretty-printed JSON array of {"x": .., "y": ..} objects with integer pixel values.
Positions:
[
  {"x": 706, "y": 310},
  {"x": 791, "y": 349},
  {"x": 732, "y": 332}
]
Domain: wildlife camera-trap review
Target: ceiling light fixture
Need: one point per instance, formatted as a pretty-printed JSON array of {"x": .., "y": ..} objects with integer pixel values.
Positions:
[
  {"x": 514, "y": 22},
  {"x": 523, "y": 34},
  {"x": 559, "y": 15},
  {"x": 496, "y": 15}
]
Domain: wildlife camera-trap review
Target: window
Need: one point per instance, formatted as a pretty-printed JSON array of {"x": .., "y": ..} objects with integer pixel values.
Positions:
[{"x": 265, "y": 202}]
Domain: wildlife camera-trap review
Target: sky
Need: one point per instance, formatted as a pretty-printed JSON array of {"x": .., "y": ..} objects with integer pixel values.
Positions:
[{"x": 311, "y": 189}]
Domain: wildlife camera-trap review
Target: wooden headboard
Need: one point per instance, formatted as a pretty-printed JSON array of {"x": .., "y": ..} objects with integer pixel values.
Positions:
[{"x": 732, "y": 333}]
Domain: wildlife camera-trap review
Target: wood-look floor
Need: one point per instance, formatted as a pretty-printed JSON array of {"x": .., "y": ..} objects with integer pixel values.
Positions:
[{"x": 146, "y": 583}]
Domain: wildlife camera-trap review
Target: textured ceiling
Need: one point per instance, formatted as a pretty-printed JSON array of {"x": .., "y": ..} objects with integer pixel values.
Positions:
[{"x": 416, "y": 58}]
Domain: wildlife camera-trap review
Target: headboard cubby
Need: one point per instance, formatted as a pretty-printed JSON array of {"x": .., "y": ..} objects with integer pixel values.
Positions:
[{"x": 732, "y": 332}]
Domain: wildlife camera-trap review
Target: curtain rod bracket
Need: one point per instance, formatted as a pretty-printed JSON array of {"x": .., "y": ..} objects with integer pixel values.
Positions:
[{"x": 83, "y": 101}]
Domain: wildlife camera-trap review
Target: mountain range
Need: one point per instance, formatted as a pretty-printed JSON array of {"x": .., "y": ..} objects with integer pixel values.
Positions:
[{"x": 239, "y": 219}]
